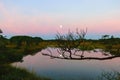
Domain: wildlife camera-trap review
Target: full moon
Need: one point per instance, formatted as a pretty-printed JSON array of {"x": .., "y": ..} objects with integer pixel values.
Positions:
[{"x": 61, "y": 26}]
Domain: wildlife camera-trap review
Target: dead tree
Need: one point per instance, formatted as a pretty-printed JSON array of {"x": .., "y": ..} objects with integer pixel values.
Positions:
[
  {"x": 72, "y": 46},
  {"x": 67, "y": 45}
]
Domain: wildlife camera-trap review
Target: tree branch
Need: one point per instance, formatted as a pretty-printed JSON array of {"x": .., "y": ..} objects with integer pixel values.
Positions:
[{"x": 83, "y": 58}]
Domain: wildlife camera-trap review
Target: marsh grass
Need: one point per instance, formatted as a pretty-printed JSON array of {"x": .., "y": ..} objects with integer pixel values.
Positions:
[
  {"x": 113, "y": 75},
  {"x": 8, "y": 72}
]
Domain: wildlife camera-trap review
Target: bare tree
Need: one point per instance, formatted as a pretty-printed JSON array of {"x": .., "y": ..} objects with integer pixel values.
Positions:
[
  {"x": 72, "y": 46},
  {"x": 68, "y": 44},
  {"x": 72, "y": 42}
]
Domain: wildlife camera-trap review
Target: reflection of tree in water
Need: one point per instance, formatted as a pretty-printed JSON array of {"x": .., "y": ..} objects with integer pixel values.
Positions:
[
  {"x": 69, "y": 45},
  {"x": 77, "y": 56}
]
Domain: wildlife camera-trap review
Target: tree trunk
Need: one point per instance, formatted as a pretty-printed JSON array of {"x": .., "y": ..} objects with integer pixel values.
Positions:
[{"x": 70, "y": 54}]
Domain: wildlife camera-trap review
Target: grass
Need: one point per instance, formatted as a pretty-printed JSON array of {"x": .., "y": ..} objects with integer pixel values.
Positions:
[
  {"x": 113, "y": 75},
  {"x": 8, "y": 72}
]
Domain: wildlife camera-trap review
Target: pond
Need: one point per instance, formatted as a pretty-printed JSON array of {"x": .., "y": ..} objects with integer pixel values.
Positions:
[{"x": 60, "y": 69}]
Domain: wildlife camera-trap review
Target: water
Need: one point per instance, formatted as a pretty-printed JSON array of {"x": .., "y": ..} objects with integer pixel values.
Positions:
[{"x": 59, "y": 69}]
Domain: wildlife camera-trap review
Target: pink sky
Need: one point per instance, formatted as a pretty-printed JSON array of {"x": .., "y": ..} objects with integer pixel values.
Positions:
[{"x": 15, "y": 21}]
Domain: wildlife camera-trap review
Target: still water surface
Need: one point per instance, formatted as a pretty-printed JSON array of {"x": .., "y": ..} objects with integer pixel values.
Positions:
[{"x": 58, "y": 69}]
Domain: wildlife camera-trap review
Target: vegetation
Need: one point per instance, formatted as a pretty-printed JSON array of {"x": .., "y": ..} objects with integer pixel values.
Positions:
[
  {"x": 114, "y": 75},
  {"x": 71, "y": 43},
  {"x": 15, "y": 48},
  {"x": 11, "y": 73}
]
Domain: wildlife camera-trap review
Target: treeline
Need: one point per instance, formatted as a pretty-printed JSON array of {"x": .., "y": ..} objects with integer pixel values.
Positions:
[
  {"x": 16, "y": 47},
  {"x": 111, "y": 45}
]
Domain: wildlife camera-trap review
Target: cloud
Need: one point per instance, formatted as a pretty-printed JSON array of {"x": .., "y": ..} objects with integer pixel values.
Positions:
[{"x": 15, "y": 22}]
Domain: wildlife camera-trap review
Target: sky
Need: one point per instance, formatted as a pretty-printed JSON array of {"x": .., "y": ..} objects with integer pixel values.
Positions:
[{"x": 44, "y": 18}]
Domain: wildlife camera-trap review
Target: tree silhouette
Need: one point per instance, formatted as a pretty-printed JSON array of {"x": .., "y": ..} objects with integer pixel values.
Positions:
[
  {"x": 105, "y": 36},
  {"x": 73, "y": 45},
  {"x": 1, "y": 31}
]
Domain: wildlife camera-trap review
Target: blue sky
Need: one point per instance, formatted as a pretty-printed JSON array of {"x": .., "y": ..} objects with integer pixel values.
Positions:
[{"x": 43, "y": 17}]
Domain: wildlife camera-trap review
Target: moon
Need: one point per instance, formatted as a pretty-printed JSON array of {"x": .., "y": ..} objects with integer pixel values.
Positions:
[{"x": 61, "y": 26}]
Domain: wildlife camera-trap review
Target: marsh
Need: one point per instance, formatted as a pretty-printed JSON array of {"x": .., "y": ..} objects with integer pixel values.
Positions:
[{"x": 61, "y": 69}]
